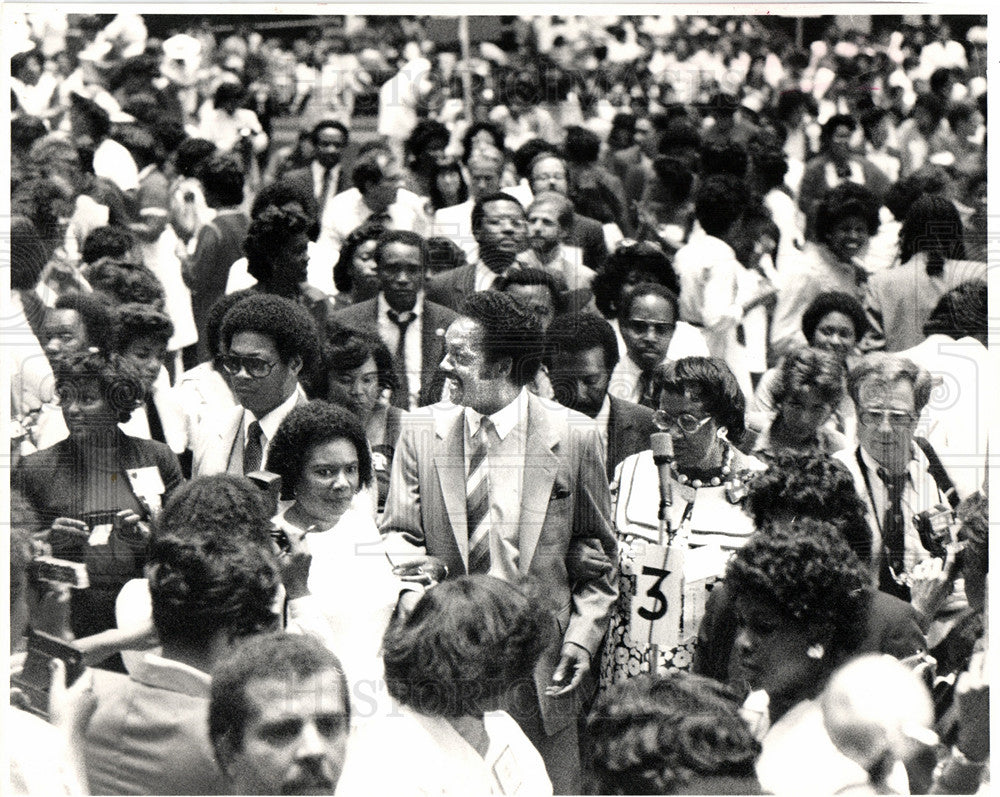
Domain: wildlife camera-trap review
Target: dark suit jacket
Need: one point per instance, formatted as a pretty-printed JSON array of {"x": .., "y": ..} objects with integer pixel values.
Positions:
[
  {"x": 629, "y": 428},
  {"x": 892, "y": 626},
  {"x": 304, "y": 177},
  {"x": 588, "y": 234},
  {"x": 565, "y": 501},
  {"x": 436, "y": 319},
  {"x": 451, "y": 288}
]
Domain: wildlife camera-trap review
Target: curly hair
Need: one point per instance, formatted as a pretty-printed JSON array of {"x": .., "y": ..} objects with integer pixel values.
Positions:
[
  {"x": 830, "y": 127},
  {"x": 133, "y": 321},
  {"x": 218, "y": 310},
  {"x": 267, "y": 234},
  {"x": 932, "y": 225},
  {"x": 282, "y": 193},
  {"x": 833, "y": 302},
  {"x": 323, "y": 124},
  {"x": 660, "y": 734},
  {"x": 467, "y": 641},
  {"x": 343, "y": 270},
  {"x": 644, "y": 257},
  {"x": 674, "y": 177},
  {"x": 845, "y": 201},
  {"x": 229, "y": 506},
  {"x": 310, "y": 425},
  {"x": 289, "y": 657},
  {"x": 509, "y": 331},
  {"x": 426, "y": 133},
  {"x": 884, "y": 369},
  {"x": 555, "y": 284},
  {"x": 719, "y": 158},
  {"x": 125, "y": 282},
  {"x": 107, "y": 241},
  {"x": 350, "y": 350},
  {"x": 95, "y": 314},
  {"x": 118, "y": 381},
  {"x": 804, "y": 484},
  {"x": 806, "y": 569},
  {"x": 962, "y": 312},
  {"x": 201, "y": 584},
  {"x": 289, "y": 325},
  {"x": 191, "y": 153},
  {"x": 719, "y": 203},
  {"x": 807, "y": 368},
  {"x": 579, "y": 331},
  {"x": 708, "y": 380}
]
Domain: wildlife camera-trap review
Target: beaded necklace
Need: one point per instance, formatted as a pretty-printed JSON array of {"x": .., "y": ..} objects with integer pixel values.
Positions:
[{"x": 714, "y": 481}]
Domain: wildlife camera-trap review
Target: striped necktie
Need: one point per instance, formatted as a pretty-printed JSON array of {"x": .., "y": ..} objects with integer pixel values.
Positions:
[{"x": 477, "y": 500}]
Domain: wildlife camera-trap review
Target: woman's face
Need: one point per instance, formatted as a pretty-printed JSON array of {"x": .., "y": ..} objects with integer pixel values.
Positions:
[
  {"x": 292, "y": 259},
  {"x": 691, "y": 449},
  {"x": 147, "y": 355},
  {"x": 835, "y": 333},
  {"x": 85, "y": 409},
  {"x": 330, "y": 478},
  {"x": 364, "y": 264},
  {"x": 771, "y": 651},
  {"x": 847, "y": 238},
  {"x": 361, "y": 383},
  {"x": 802, "y": 414}
]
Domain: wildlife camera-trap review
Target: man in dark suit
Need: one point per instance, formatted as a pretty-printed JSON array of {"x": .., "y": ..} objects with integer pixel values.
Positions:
[
  {"x": 325, "y": 177},
  {"x": 510, "y": 486},
  {"x": 500, "y": 227},
  {"x": 581, "y": 352},
  {"x": 409, "y": 325}
]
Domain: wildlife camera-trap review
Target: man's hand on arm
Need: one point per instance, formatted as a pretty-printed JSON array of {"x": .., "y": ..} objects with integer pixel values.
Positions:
[{"x": 574, "y": 664}]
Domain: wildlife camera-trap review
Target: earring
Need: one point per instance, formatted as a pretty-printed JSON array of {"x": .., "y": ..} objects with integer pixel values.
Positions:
[
  {"x": 815, "y": 651},
  {"x": 722, "y": 433}
]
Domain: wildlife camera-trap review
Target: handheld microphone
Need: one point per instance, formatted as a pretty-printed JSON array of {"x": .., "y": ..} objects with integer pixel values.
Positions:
[{"x": 663, "y": 456}]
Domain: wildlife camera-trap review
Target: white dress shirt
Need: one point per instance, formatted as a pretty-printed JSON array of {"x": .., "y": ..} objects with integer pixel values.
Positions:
[
  {"x": 413, "y": 359},
  {"x": 269, "y": 423}
]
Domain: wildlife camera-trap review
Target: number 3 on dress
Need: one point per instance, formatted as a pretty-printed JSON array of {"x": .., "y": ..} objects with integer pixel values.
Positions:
[{"x": 657, "y": 603}]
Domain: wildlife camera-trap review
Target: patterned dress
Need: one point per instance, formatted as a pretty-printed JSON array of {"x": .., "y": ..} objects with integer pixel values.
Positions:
[{"x": 716, "y": 525}]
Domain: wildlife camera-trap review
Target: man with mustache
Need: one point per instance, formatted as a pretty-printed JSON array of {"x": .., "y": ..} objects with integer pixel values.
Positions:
[
  {"x": 500, "y": 227},
  {"x": 581, "y": 353},
  {"x": 279, "y": 717}
]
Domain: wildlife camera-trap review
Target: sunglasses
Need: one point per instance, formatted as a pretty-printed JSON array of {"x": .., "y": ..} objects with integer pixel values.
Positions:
[
  {"x": 257, "y": 367},
  {"x": 896, "y": 418},
  {"x": 686, "y": 422}
]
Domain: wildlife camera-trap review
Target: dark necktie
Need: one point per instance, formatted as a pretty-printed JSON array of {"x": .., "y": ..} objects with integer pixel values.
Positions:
[
  {"x": 893, "y": 526},
  {"x": 644, "y": 390},
  {"x": 477, "y": 500},
  {"x": 155, "y": 424},
  {"x": 253, "y": 454},
  {"x": 401, "y": 395},
  {"x": 325, "y": 190}
]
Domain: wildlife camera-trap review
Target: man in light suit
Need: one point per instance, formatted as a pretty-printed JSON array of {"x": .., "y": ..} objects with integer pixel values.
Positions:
[
  {"x": 411, "y": 327},
  {"x": 545, "y": 497},
  {"x": 581, "y": 354},
  {"x": 268, "y": 341}
]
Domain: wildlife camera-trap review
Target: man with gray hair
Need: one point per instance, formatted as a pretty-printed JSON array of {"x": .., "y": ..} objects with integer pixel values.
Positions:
[{"x": 896, "y": 472}]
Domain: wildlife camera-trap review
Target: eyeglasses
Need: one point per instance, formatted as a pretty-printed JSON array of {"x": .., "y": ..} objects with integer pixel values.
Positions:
[
  {"x": 257, "y": 367},
  {"x": 686, "y": 422},
  {"x": 640, "y": 328},
  {"x": 896, "y": 418}
]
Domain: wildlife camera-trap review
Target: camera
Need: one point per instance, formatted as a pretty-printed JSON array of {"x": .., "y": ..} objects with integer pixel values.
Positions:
[
  {"x": 935, "y": 529},
  {"x": 58, "y": 571}
]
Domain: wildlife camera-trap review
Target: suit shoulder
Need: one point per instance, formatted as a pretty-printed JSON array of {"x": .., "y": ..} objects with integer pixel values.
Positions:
[
  {"x": 630, "y": 411},
  {"x": 440, "y": 313},
  {"x": 355, "y": 312}
]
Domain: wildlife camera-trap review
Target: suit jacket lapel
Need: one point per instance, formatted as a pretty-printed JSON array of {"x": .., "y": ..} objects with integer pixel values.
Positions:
[
  {"x": 235, "y": 434},
  {"x": 450, "y": 466},
  {"x": 541, "y": 464}
]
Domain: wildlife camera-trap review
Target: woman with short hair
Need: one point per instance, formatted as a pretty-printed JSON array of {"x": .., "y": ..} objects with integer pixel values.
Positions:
[{"x": 469, "y": 646}]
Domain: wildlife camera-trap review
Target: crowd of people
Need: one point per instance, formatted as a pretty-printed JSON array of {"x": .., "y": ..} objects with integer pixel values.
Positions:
[{"x": 342, "y": 463}]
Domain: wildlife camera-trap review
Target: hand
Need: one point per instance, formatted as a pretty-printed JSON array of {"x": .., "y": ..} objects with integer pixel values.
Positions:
[
  {"x": 586, "y": 561},
  {"x": 131, "y": 527},
  {"x": 574, "y": 663},
  {"x": 295, "y": 564},
  {"x": 70, "y": 708},
  {"x": 407, "y": 601},
  {"x": 972, "y": 693},
  {"x": 425, "y": 570},
  {"x": 931, "y": 583},
  {"x": 69, "y": 532}
]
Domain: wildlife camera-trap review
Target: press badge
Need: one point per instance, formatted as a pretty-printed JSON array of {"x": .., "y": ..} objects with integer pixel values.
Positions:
[{"x": 148, "y": 486}]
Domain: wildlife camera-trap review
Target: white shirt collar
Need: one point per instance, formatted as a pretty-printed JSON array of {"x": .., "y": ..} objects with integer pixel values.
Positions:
[
  {"x": 504, "y": 420},
  {"x": 269, "y": 423},
  {"x": 604, "y": 413}
]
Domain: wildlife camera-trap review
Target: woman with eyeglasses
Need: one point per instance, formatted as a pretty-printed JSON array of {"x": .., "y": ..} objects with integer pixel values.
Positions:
[{"x": 700, "y": 405}]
